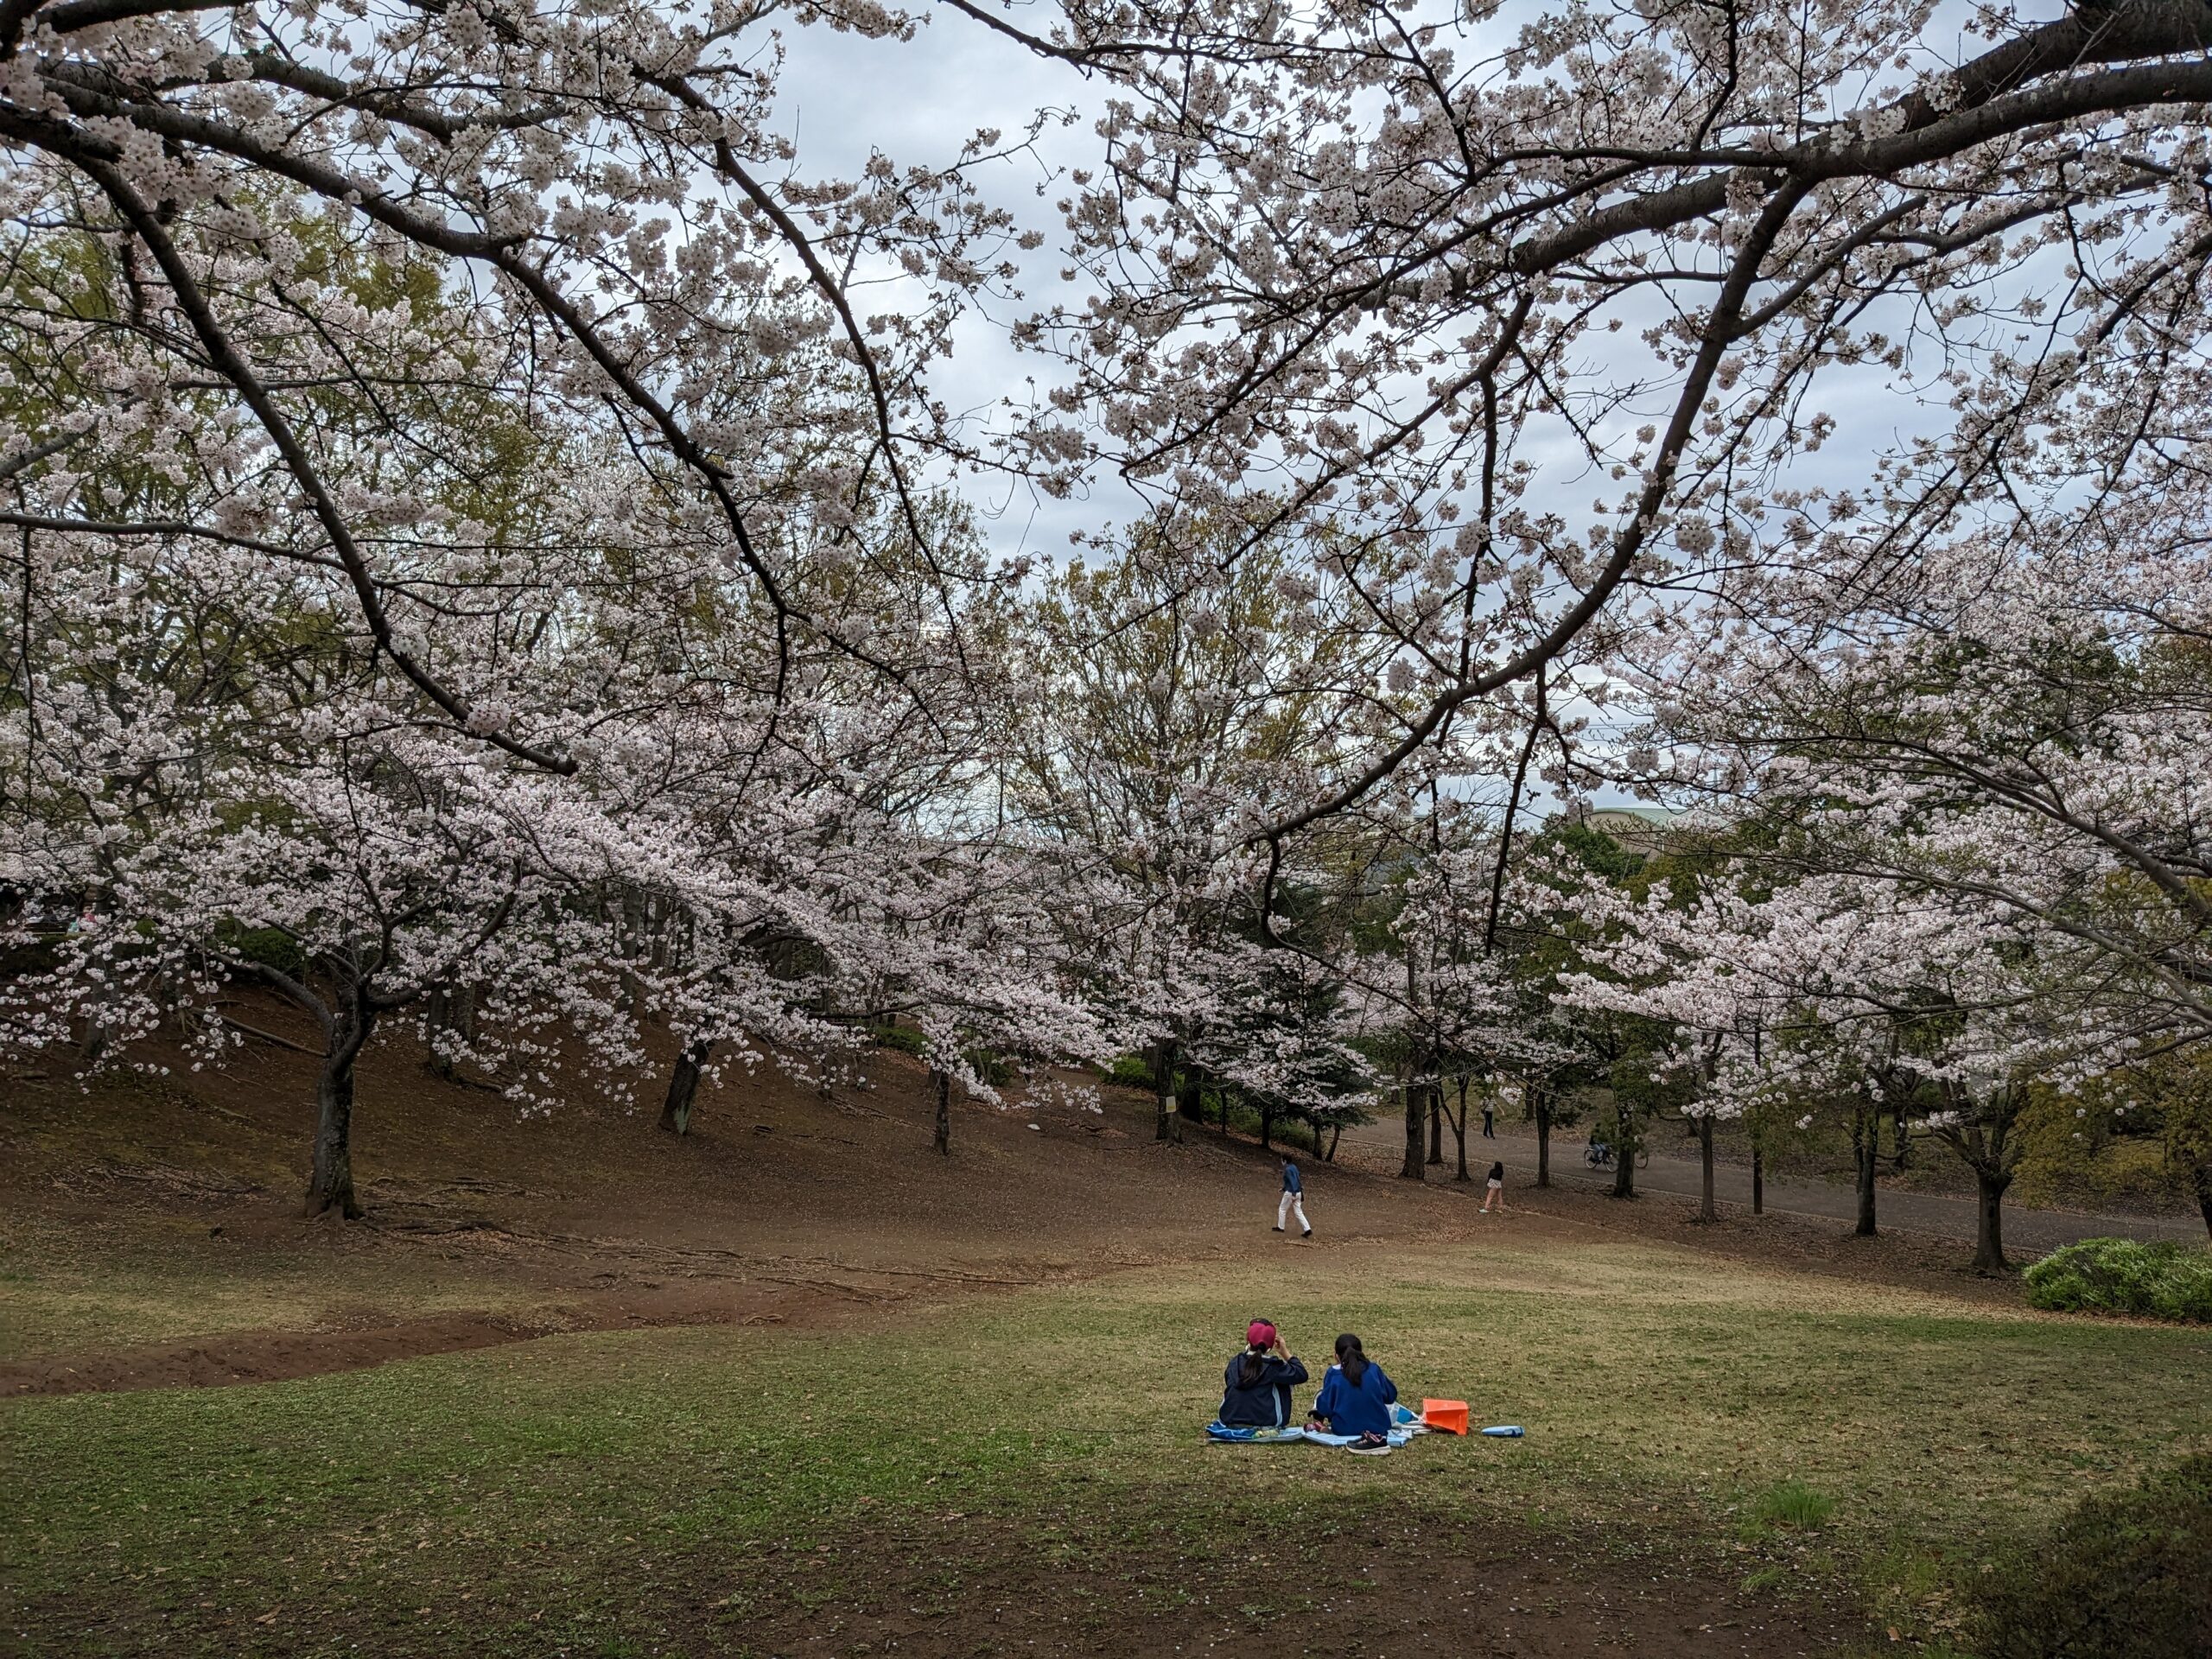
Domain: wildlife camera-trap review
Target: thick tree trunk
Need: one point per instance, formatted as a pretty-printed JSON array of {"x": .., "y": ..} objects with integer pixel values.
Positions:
[
  {"x": 330, "y": 1183},
  {"x": 1989, "y": 1232},
  {"x": 1865, "y": 1146},
  {"x": 1414, "y": 1168},
  {"x": 1625, "y": 1156},
  {"x": 1543, "y": 1107},
  {"x": 1267, "y": 1128},
  {"x": 1459, "y": 1132},
  {"x": 1705, "y": 1209},
  {"x": 1435, "y": 1123},
  {"x": 1758, "y": 1181},
  {"x": 684, "y": 1087},
  {"x": 2200, "y": 1178},
  {"x": 942, "y": 1081},
  {"x": 1165, "y": 1126},
  {"x": 1336, "y": 1134}
]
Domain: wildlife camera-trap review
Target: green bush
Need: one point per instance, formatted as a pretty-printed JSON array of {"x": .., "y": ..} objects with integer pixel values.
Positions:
[
  {"x": 2162, "y": 1280},
  {"x": 905, "y": 1038},
  {"x": 270, "y": 945},
  {"x": 1130, "y": 1072},
  {"x": 2124, "y": 1576},
  {"x": 908, "y": 1040}
]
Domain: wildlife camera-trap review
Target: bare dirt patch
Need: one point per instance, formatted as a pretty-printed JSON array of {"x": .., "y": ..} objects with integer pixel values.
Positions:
[{"x": 1376, "y": 1584}]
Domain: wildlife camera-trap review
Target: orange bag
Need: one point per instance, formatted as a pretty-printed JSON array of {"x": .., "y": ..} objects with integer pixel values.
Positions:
[{"x": 1449, "y": 1416}]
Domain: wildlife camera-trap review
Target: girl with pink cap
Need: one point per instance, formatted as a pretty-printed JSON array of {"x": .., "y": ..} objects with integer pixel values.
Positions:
[{"x": 1259, "y": 1380}]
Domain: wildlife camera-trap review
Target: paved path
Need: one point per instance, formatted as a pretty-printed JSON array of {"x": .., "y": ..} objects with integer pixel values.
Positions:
[{"x": 2026, "y": 1229}]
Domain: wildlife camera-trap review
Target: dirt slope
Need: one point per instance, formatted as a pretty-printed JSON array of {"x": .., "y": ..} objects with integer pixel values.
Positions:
[{"x": 485, "y": 1225}]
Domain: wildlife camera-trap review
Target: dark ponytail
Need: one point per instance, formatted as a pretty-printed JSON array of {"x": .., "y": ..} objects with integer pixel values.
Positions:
[
  {"x": 1353, "y": 1358},
  {"x": 1252, "y": 1369}
]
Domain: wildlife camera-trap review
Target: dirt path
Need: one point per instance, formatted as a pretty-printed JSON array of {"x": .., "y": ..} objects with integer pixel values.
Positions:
[{"x": 2026, "y": 1231}]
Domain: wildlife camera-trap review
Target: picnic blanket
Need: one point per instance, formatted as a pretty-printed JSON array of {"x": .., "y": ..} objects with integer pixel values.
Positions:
[
  {"x": 1396, "y": 1437},
  {"x": 1227, "y": 1435}
]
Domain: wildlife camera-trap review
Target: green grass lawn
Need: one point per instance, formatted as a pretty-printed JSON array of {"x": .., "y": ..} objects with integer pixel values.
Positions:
[{"x": 555, "y": 1494}]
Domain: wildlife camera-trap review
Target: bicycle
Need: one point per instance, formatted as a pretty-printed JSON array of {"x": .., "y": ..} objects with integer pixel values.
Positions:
[{"x": 1599, "y": 1155}]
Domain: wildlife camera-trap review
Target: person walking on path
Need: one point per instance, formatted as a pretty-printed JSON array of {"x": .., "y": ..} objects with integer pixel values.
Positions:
[
  {"x": 1496, "y": 1193},
  {"x": 1294, "y": 1201},
  {"x": 1490, "y": 1121}
]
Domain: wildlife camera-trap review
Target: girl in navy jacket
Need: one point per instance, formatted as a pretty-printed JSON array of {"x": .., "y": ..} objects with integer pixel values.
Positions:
[
  {"x": 1356, "y": 1397},
  {"x": 1259, "y": 1381}
]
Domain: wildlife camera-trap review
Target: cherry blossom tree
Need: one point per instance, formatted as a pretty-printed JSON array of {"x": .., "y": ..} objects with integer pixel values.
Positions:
[
  {"x": 2016, "y": 719},
  {"x": 1440, "y": 997},
  {"x": 2005, "y": 724},
  {"x": 1828, "y": 988},
  {"x": 1534, "y": 323},
  {"x": 350, "y": 859},
  {"x": 254, "y": 243},
  {"x": 1160, "y": 722}
]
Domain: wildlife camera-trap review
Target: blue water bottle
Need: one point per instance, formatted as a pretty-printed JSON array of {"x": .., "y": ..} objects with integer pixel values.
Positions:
[{"x": 1504, "y": 1432}]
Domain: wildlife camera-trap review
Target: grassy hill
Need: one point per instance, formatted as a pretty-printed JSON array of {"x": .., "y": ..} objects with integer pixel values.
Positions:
[{"x": 796, "y": 1385}]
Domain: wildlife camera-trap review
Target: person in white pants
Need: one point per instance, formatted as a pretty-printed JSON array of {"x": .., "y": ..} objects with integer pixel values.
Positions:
[{"x": 1294, "y": 1201}]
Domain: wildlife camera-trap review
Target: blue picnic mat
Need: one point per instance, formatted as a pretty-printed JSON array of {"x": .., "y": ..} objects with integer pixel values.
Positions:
[{"x": 1228, "y": 1436}]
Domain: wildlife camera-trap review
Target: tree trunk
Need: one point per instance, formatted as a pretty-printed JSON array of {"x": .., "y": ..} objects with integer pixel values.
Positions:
[
  {"x": 1758, "y": 1181},
  {"x": 684, "y": 1087},
  {"x": 1903, "y": 1136},
  {"x": 1164, "y": 1127},
  {"x": 94, "y": 1044},
  {"x": 943, "y": 1082},
  {"x": 1624, "y": 1155},
  {"x": 1989, "y": 1232},
  {"x": 1414, "y": 1168},
  {"x": 330, "y": 1184},
  {"x": 1336, "y": 1134},
  {"x": 1267, "y": 1128},
  {"x": 1459, "y": 1131},
  {"x": 1866, "y": 1147},
  {"x": 1705, "y": 1210},
  {"x": 2200, "y": 1178},
  {"x": 1543, "y": 1108},
  {"x": 1435, "y": 1123},
  {"x": 452, "y": 1010}
]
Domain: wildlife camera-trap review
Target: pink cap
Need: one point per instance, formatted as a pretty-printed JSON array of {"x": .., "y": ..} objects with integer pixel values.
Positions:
[{"x": 1260, "y": 1334}]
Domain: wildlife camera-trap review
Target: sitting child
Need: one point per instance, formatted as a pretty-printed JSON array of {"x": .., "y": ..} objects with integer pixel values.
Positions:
[
  {"x": 1355, "y": 1399},
  {"x": 1260, "y": 1381}
]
